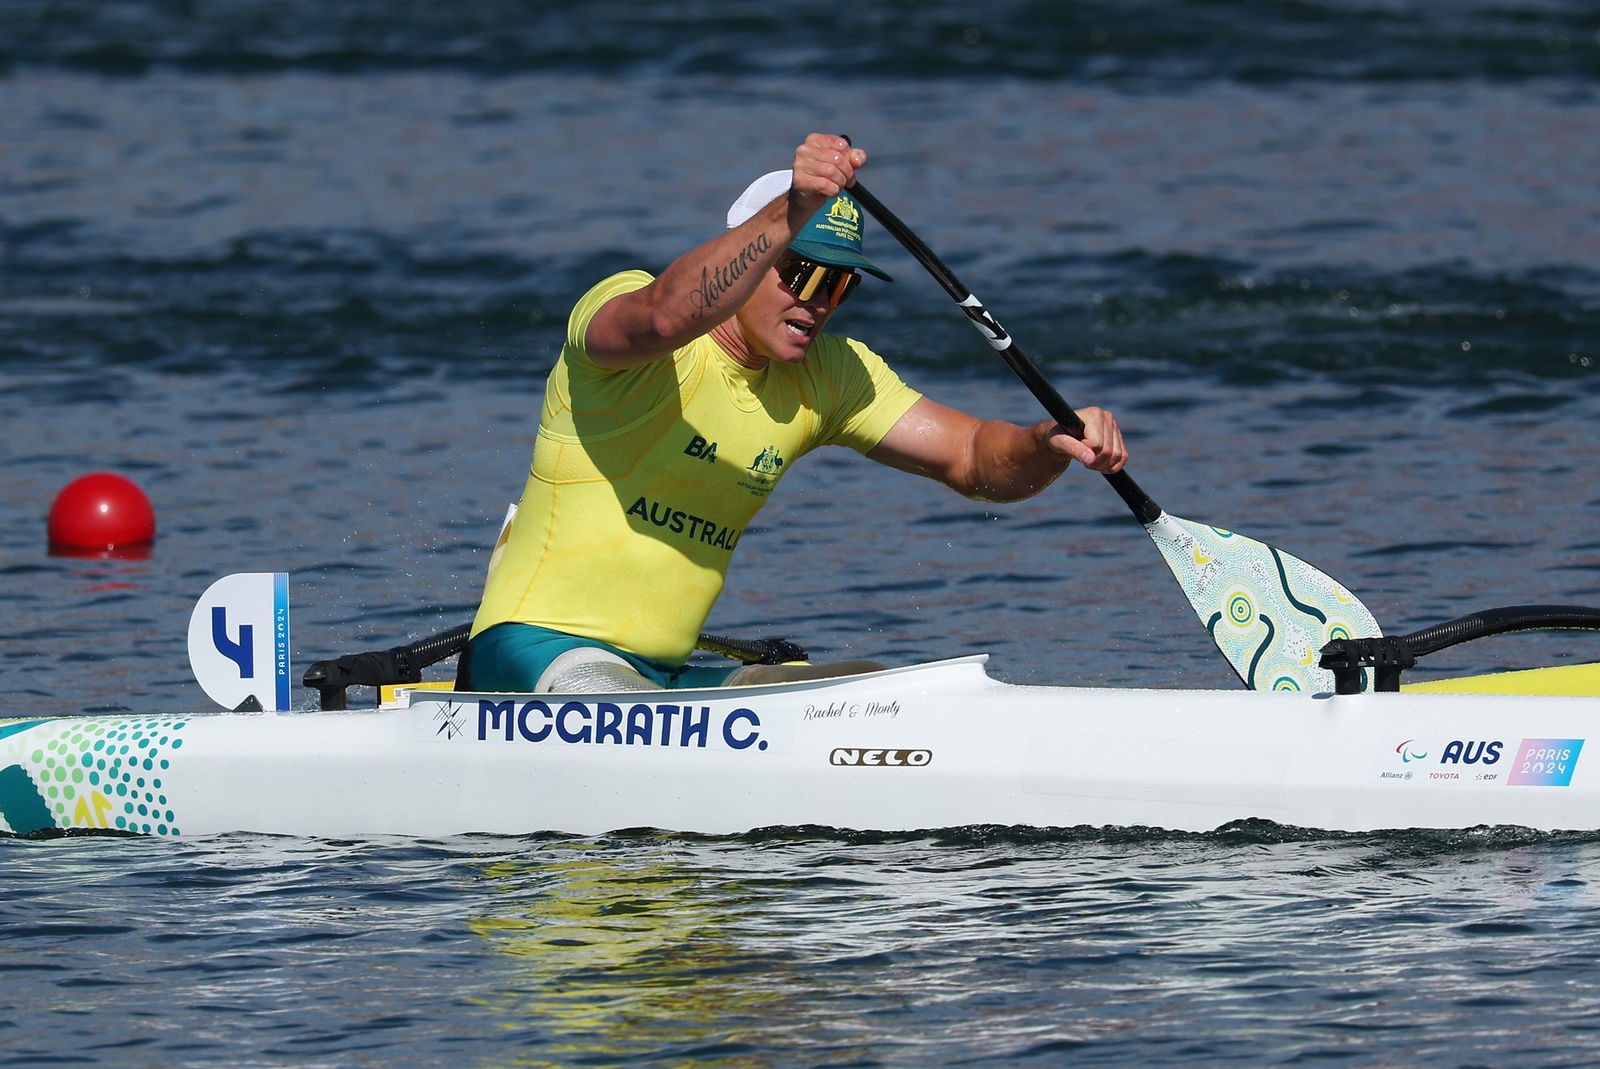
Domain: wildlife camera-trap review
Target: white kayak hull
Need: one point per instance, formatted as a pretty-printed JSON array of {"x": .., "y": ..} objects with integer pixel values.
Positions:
[{"x": 926, "y": 746}]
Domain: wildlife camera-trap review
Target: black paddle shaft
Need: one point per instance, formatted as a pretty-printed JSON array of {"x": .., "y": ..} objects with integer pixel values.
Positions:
[{"x": 1144, "y": 509}]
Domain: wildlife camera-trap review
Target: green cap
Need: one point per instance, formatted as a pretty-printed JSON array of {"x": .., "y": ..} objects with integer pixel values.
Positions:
[{"x": 831, "y": 236}]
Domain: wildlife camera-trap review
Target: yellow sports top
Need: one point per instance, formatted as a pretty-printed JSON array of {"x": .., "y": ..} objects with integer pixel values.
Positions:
[{"x": 644, "y": 479}]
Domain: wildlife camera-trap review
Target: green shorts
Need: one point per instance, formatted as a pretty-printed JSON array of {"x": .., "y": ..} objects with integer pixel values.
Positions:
[{"x": 512, "y": 657}]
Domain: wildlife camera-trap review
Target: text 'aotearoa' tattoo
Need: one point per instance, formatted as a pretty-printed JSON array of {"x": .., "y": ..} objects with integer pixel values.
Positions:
[{"x": 714, "y": 284}]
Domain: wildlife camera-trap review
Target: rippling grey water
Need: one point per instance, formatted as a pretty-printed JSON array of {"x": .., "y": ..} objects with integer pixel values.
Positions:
[
  {"x": 300, "y": 271},
  {"x": 975, "y": 948}
]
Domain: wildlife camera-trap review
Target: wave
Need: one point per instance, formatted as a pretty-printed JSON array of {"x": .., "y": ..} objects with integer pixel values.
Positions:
[
  {"x": 1161, "y": 41},
  {"x": 1412, "y": 843},
  {"x": 351, "y": 309}
]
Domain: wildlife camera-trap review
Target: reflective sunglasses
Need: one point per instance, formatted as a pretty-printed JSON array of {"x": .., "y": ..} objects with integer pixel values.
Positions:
[{"x": 806, "y": 278}]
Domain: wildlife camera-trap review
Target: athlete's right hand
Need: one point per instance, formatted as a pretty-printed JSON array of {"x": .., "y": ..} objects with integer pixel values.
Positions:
[{"x": 824, "y": 164}]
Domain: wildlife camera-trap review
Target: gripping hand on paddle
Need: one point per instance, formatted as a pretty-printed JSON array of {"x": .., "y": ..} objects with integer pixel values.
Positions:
[
  {"x": 1100, "y": 447},
  {"x": 651, "y": 323},
  {"x": 991, "y": 459},
  {"x": 824, "y": 166}
]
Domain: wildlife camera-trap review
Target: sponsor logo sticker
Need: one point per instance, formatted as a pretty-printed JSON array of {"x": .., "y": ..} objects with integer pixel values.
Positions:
[
  {"x": 858, "y": 757},
  {"x": 1528, "y": 763},
  {"x": 1437, "y": 760}
]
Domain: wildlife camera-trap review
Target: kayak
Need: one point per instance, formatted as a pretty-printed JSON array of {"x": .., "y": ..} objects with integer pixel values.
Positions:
[{"x": 934, "y": 745}]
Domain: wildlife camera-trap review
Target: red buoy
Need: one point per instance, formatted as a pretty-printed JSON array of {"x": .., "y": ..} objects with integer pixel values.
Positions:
[{"x": 101, "y": 511}]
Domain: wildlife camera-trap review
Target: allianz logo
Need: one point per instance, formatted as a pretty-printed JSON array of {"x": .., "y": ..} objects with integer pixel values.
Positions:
[{"x": 843, "y": 755}]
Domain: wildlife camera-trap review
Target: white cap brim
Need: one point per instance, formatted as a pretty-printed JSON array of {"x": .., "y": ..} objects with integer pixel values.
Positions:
[{"x": 760, "y": 193}]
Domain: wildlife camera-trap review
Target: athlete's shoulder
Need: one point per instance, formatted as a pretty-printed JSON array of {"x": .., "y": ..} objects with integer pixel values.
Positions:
[
  {"x": 593, "y": 300},
  {"x": 609, "y": 287},
  {"x": 832, "y": 354}
]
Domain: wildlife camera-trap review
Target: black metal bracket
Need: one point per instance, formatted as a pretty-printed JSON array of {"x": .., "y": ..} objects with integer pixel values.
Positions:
[
  {"x": 333, "y": 677},
  {"x": 1349, "y": 658}
]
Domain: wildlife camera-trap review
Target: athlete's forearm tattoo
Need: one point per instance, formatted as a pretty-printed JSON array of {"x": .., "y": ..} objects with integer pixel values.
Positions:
[{"x": 714, "y": 284}]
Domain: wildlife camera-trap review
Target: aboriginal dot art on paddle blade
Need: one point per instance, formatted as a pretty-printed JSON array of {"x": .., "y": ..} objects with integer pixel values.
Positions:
[{"x": 1270, "y": 613}]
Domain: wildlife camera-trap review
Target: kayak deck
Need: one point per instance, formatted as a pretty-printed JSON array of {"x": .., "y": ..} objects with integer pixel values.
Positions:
[{"x": 1573, "y": 680}]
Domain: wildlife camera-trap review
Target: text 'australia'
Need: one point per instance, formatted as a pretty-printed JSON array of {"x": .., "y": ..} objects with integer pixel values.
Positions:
[{"x": 694, "y": 528}]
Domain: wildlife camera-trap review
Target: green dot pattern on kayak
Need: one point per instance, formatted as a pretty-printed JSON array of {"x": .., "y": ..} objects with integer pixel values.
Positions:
[{"x": 110, "y": 775}]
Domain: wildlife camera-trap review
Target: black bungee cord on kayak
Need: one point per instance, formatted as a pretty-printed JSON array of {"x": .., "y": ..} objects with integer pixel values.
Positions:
[{"x": 1390, "y": 656}]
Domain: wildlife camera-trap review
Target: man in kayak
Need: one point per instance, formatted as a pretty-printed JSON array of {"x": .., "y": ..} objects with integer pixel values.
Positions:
[{"x": 678, "y": 403}]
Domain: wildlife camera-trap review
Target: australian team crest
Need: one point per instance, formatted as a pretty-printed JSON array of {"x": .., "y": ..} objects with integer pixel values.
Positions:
[
  {"x": 843, "y": 219},
  {"x": 763, "y": 472}
]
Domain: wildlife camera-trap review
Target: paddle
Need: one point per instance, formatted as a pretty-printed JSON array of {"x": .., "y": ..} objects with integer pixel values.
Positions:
[{"x": 1268, "y": 612}]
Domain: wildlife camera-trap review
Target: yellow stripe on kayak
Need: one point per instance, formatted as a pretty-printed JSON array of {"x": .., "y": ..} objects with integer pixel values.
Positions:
[{"x": 1578, "y": 680}]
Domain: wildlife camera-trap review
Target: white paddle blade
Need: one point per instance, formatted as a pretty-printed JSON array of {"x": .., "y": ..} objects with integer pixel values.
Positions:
[
  {"x": 1268, "y": 612},
  {"x": 239, "y": 640}
]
